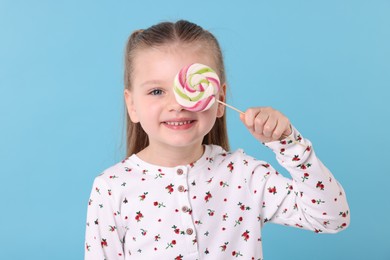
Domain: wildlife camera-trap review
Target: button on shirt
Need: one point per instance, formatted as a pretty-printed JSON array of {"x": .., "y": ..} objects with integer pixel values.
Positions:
[{"x": 211, "y": 209}]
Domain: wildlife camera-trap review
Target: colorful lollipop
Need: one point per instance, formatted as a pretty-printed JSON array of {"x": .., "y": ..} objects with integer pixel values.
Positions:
[{"x": 195, "y": 87}]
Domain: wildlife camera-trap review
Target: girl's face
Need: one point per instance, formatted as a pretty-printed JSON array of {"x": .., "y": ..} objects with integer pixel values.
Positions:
[{"x": 152, "y": 103}]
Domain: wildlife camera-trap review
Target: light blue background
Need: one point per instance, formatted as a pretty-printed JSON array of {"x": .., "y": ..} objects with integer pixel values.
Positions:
[{"x": 325, "y": 64}]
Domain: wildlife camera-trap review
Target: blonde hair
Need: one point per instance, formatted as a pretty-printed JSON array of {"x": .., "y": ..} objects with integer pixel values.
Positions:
[{"x": 160, "y": 34}]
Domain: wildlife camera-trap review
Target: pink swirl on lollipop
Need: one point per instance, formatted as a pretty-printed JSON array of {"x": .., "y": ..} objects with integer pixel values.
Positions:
[{"x": 195, "y": 87}]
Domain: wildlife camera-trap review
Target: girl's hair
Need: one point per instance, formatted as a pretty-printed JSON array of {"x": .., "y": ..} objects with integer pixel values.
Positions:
[{"x": 167, "y": 33}]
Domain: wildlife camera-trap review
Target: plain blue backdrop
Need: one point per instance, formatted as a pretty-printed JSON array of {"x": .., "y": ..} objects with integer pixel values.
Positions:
[{"x": 325, "y": 64}]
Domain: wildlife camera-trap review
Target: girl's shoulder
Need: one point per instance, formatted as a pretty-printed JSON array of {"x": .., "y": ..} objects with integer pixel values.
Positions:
[
  {"x": 238, "y": 156},
  {"x": 118, "y": 172}
]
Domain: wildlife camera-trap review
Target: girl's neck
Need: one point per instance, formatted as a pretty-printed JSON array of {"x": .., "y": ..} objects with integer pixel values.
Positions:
[{"x": 171, "y": 157}]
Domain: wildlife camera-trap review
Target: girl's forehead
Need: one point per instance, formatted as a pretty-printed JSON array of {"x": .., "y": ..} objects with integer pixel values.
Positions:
[
  {"x": 183, "y": 51},
  {"x": 166, "y": 60}
]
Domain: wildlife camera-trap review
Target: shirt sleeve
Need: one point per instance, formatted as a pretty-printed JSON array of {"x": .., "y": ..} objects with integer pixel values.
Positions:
[
  {"x": 312, "y": 199},
  {"x": 104, "y": 232}
]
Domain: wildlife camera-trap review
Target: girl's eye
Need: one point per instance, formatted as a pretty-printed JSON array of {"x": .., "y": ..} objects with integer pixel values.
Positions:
[{"x": 156, "y": 92}]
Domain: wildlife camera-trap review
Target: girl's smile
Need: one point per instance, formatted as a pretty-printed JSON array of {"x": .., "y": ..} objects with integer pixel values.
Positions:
[{"x": 179, "y": 124}]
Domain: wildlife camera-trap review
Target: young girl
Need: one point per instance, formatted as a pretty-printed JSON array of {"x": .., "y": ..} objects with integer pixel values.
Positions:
[{"x": 181, "y": 194}]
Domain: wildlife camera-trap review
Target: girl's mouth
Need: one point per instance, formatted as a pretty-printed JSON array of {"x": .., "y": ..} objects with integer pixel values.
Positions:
[{"x": 179, "y": 125}]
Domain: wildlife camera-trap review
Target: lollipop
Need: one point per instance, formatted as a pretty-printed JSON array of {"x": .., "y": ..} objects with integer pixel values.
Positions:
[{"x": 195, "y": 87}]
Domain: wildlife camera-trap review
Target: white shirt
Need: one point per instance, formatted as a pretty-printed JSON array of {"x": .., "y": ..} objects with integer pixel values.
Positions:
[{"x": 211, "y": 209}]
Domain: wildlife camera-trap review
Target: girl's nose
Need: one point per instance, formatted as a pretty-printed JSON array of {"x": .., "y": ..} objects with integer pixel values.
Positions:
[{"x": 173, "y": 105}]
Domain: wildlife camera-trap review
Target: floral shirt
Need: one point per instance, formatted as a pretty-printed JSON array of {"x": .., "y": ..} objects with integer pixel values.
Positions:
[{"x": 213, "y": 208}]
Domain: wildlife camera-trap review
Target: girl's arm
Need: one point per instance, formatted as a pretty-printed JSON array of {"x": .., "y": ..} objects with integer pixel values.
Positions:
[
  {"x": 104, "y": 232},
  {"x": 312, "y": 199}
]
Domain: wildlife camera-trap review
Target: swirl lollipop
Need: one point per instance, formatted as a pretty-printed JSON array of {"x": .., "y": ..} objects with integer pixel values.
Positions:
[{"x": 195, "y": 87}]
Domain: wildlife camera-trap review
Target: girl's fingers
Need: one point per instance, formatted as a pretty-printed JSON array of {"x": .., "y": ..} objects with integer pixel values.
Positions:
[
  {"x": 267, "y": 127},
  {"x": 266, "y": 123},
  {"x": 282, "y": 129},
  {"x": 260, "y": 122}
]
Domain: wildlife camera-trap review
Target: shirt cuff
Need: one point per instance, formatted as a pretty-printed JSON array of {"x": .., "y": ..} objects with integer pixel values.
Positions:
[{"x": 290, "y": 148}]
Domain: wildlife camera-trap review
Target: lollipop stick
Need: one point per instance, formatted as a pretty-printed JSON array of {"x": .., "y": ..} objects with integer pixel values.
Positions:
[
  {"x": 239, "y": 111},
  {"x": 232, "y": 107}
]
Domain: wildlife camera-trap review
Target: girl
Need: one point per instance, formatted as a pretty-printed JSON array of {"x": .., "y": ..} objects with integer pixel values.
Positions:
[{"x": 180, "y": 194}]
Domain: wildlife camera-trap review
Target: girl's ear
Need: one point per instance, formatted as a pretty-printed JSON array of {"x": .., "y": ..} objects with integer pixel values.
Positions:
[
  {"x": 221, "y": 97},
  {"x": 130, "y": 106}
]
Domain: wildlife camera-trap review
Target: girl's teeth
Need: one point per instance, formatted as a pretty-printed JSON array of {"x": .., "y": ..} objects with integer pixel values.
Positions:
[{"x": 179, "y": 123}]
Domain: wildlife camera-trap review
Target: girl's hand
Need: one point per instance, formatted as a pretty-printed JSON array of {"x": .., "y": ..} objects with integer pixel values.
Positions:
[{"x": 266, "y": 124}]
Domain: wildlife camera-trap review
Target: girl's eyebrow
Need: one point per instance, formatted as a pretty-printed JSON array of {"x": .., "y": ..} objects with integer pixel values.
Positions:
[{"x": 152, "y": 82}]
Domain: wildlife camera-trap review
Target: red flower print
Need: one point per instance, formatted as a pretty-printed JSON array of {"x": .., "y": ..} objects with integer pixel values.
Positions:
[
  {"x": 304, "y": 167},
  {"x": 103, "y": 243},
  {"x": 305, "y": 177},
  {"x": 272, "y": 190},
  {"x": 296, "y": 158},
  {"x": 289, "y": 188},
  {"x": 169, "y": 188},
  {"x": 320, "y": 185},
  {"x": 265, "y": 165},
  {"x": 224, "y": 246},
  {"x": 139, "y": 216},
  {"x": 231, "y": 166},
  {"x": 177, "y": 230},
  {"x": 157, "y": 238},
  {"x": 238, "y": 221},
  {"x": 243, "y": 207},
  {"x": 342, "y": 226},
  {"x": 224, "y": 217},
  {"x": 245, "y": 235},
  {"x": 143, "y": 196},
  {"x": 344, "y": 214},
  {"x": 210, "y": 180},
  {"x": 236, "y": 254},
  {"x": 319, "y": 201},
  {"x": 208, "y": 196},
  {"x": 143, "y": 232},
  {"x": 112, "y": 228},
  {"x": 173, "y": 242},
  {"x": 223, "y": 184},
  {"x": 210, "y": 212},
  {"x": 179, "y": 257},
  {"x": 317, "y": 230}
]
